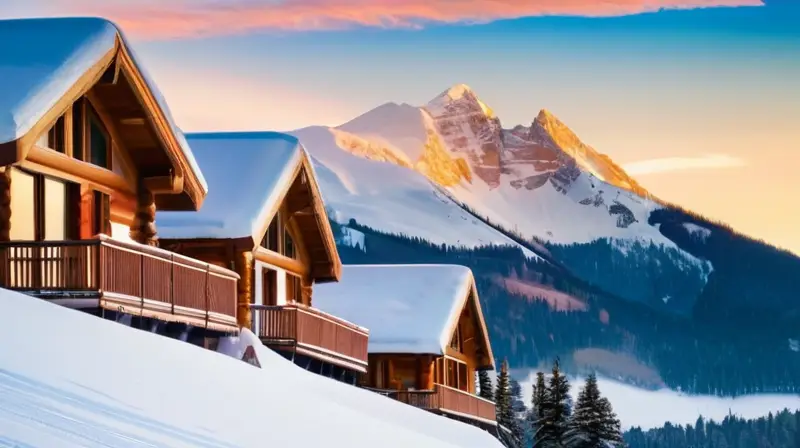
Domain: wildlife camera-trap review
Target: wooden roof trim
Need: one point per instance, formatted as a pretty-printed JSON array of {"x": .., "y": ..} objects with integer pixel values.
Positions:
[
  {"x": 472, "y": 292},
  {"x": 183, "y": 176},
  {"x": 17, "y": 150},
  {"x": 481, "y": 321},
  {"x": 323, "y": 222},
  {"x": 320, "y": 215}
]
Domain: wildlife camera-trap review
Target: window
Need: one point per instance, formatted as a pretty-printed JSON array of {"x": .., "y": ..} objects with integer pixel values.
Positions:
[
  {"x": 99, "y": 144},
  {"x": 40, "y": 207},
  {"x": 270, "y": 240},
  {"x": 99, "y": 150},
  {"x": 101, "y": 213},
  {"x": 91, "y": 141},
  {"x": 23, "y": 216},
  {"x": 269, "y": 288},
  {"x": 289, "y": 249},
  {"x": 55, "y": 137},
  {"x": 455, "y": 342},
  {"x": 55, "y": 210},
  {"x": 294, "y": 291}
]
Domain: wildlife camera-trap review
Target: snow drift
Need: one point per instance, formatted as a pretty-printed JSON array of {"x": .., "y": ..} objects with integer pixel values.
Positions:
[{"x": 71, "y": 379}]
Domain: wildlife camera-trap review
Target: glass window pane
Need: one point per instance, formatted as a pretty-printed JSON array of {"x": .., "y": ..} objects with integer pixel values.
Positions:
[
  {"x": 23, "y": 215},
  {"x": 55, "y": 210},
  {"x": 98, "y": 142}
]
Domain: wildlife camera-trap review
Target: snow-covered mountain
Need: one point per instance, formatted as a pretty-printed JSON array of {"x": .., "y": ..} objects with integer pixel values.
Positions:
[{"x": 537, "y": 182}]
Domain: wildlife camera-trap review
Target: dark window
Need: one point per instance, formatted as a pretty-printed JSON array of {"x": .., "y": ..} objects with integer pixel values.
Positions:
[
  {"x": 102, "y": 213},
  {"x": 55, "y": 136},
  {"x": 270, "y": 287},
  {"x": 99, "y": 143},
  {"x": 288, "y": 245},
  {"x": 270, "y": 240}
]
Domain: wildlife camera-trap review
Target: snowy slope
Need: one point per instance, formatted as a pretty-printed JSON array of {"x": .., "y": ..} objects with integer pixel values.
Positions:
[
  {"x": 389, "y": 197},
  {"x": 70, "y": 379}
]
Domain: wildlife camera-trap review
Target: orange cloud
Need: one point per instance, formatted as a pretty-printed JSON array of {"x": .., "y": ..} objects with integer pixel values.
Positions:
[{"x": 160, "y": 19}]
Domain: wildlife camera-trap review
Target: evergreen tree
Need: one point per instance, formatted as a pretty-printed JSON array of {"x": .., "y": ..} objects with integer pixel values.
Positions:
[
  {"x": 503, "y": 403},
  {"x": 502, "y": 397},
  {"x": 485, "y": 385},
  {"x": 518, "y": 411},
  {"x": 556, "y": 410},
  {"x": 593, "y": 423},
  {"x": 537, "y": 412}
]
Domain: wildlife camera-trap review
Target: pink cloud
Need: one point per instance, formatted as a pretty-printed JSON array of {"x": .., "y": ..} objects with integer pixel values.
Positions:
[{"x": 159, "y": 19}]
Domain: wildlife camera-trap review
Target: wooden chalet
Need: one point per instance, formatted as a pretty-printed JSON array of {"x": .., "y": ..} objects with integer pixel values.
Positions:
[
  {"x": 88, "y": 153},
  {"x": 264, "y": 218},
  {"x": 428, "y": 336}
]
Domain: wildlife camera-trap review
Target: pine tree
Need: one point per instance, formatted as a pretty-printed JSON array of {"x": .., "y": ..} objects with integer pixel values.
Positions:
[
  {"x": 556, "y": 410},
  {"x": 502, "y": 399},
  {"x": 518, "y": 411},
  {"x": 485, "y": 385},
  {"x": 593, "y": 423},
  {"x": 537, "y": 412}
]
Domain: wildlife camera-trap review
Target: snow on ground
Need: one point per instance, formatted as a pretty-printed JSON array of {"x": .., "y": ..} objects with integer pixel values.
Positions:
[
  {"x": 70, "y": 379},
  {"x": 391, "y": 198},
  {"x": 652, "y": 408}
]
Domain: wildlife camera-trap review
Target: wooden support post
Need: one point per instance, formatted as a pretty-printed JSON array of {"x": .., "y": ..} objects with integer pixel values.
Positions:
[
  {"x": 244, "y": 267},
  {"x": 143, "y": 229},
  {"x": 305, "y": 291},
  {"x": 5, "y": 204}
]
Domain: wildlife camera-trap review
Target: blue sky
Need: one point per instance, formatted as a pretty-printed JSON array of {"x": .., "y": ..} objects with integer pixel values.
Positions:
[{"x": 702, "y": 104}]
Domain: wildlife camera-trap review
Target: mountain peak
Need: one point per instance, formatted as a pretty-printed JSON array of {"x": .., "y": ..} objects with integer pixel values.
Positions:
[{"x": 459, "y": 93}]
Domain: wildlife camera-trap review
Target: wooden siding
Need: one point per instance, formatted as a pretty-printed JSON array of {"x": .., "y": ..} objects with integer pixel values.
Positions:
[
  {"x": 312, "y": 332},
  {"x": 125, "y": 277}
]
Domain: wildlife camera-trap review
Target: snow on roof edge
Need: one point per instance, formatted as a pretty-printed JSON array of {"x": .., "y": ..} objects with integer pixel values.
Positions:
[{"x": 198, "y": 226}]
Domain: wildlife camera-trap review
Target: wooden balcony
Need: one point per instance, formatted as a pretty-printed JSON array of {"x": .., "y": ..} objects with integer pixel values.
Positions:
[
  {"x": 447, "y": 400},
  {"x": 122, "y": 276},
  {"x": 313, "y": 333}
]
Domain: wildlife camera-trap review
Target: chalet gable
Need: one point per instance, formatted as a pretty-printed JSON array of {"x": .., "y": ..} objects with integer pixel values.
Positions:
[
  {"x": 264, "y": 194},
  {"x": 73, "y": 68}
]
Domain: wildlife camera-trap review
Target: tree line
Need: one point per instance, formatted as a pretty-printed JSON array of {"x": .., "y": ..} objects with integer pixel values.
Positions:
[
  {"x": 553, "y": 420},
  {"x": 781, "y": 430}
]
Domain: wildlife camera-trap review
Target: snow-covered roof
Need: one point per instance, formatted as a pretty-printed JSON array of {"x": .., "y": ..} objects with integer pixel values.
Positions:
[
  {"x": 248, "y": 173},
  {"x": 42, "y": 60},
  {"x": 408, "y": 308}
]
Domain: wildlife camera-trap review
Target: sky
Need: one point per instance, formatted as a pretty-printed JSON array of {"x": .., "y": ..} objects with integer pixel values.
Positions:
[{"x": 698, "y": 99}]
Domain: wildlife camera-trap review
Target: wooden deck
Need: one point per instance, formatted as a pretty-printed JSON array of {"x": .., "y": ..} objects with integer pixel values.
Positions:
[
  {"x": 447, "y": 400},
  {"x": 122, "y": 276},
  {"x": 313, "y": 333}
]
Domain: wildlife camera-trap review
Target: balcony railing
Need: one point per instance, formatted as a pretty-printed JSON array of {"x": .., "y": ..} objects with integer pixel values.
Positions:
[
  {"x": 122, "y": 276},
  {"x": 319, "y": 334},
  {"x": 448, "y": 399}
]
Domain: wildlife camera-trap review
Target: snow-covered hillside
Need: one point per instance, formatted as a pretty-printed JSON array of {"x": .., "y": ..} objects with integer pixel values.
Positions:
[
  {"x": 536, "y": 181},
  {"x": 389, "y": 197},
  {"x": 70, "y": 379}
]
